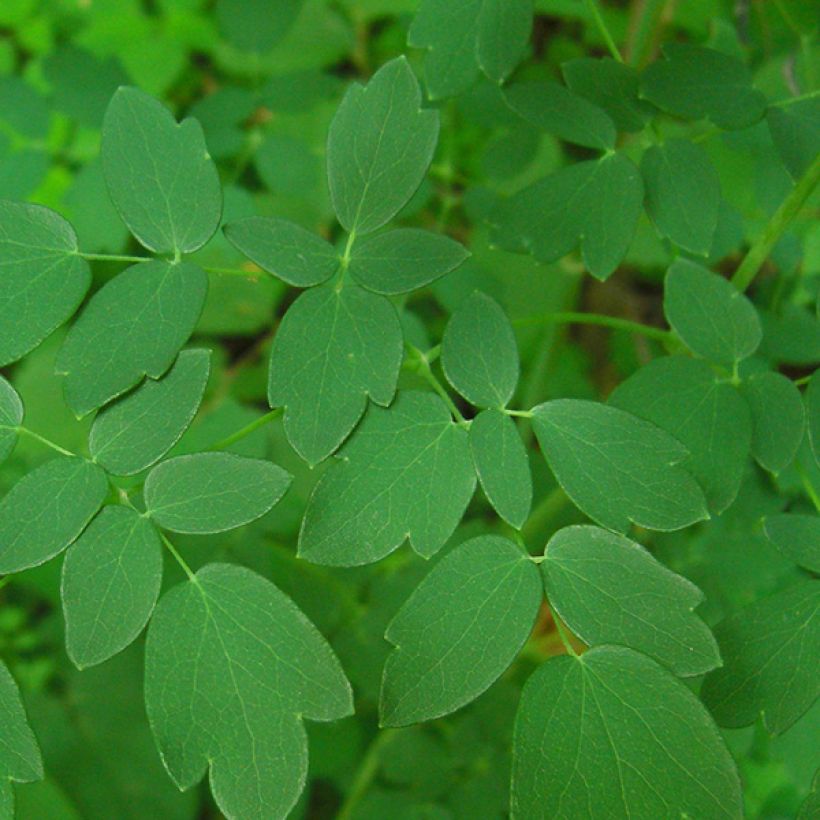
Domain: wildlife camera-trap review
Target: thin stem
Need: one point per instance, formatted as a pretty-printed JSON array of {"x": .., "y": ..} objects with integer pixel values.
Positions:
[
  {"x": 179, "y": 559},
  {"x": 365, "y": 773},
  {"x": 792, "y": 100},
  {"x": 789, "y": 208},
  {"x": 807, "y": 485},
  {"x": 4, "y": 580},
  {"x": 246, "y": 430},
  {"x": 803, "y": 380},
  {"x": 559, "y": 627},
  {"x": 600, "y": 24},
  {"x": 113, "y": 257},
  {"x": 521, "y": 414},
  {"x": 425, "y": 371},
  {"x": 614, "y": 322},
  {"x": 44, "y": 440}
]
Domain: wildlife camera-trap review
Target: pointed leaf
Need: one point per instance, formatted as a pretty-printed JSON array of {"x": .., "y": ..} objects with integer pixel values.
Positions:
[
  {"x": 616, "y": 467},
  {"x": 407, "y": 473},
  {"x": 20, "y": 759},
  {"x": 212, "y": 492},
  {"x": 459, "y": 630},
  {"x": 133, "y": 326},
  {"x": 504, "y": 28},
  {"x": 159, "y": 173},
  {"x": 333, "y": 350},
  {"x": 379, "y": 147},
  {"x": 285, "y": 249},
  {"x": 797, "y": 537},
  {"x": 11, "y": 417},
  {"x": 231, "y": 667},
  {"x": 42, "y": 277},
  {"x": 613, "y": 734},
  {"x": 138, "y": 430},
  {"x": 111, "y": 579},
  {"x": 47, "y": 509}
]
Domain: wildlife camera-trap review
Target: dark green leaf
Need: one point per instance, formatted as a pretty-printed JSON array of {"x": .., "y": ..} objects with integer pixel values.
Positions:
[
  {"x": 255, "y": 25},
  {"x": 503, "y": 33},
  {"x": 797, "y": 537},
  {"x": 795, "y": 132},
  {"x": 813, "y": 414},
  {"x": 20, "y": 759},
  {"x": 11, "y": 417}
]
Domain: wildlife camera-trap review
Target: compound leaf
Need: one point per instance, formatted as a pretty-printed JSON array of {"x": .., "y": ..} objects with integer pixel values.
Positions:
[
  {"x": 379, "y": 147},
  {"x": 111, "y": 579},
  {"x": 288, "y": 251},
  {"x": 139, "y": 429},
  {"x": 11, "y": 417},
  {"x": 231, "y": 668},
  {"x": 407, "y": 473},
  {"x": 334, "y": 348},
  {"x": 696, "y": 82},
  {"x": 502, "y": 465},
  {"x": 43, "y": 278},
  {"x": 47, "y": 509},
  {"x": 20, "y": 758},
  {"x": 159, "y": 173},
  {"x": 212, "y": 492},
  {"x": 712, "y": 317},
  {"x": 676, "y": 175},
  {"x": 765, "y": 648},
  {"x": 616, "y": 467},
  {"x": 709, "y": 417},
  {"x": 133, "y": 326},
  {"x": 403, "y": 260},
  {"x": 797, "y": 537},
  {"x": 609, "y": 589},
  {"x": 459, "y": 630},
  {"x": 613, "y": 734}
]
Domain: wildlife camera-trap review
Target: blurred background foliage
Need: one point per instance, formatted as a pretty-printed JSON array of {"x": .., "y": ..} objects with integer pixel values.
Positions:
[{"x": 264, "y": 79}]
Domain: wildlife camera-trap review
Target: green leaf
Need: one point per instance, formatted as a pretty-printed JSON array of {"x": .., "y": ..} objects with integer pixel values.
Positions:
[
  {"x": 334, "y": 349},
  {"x": 616, "y": 467},
  {"x": 285, "y": 249},
  {"x": 612, "y": 734},
  {"x": 502, "y": 465},
  {"x": 160, "y": 176},
  {"x": 778, "y": 419},
  {"x": 608, "y": 589},
  {"x": 594, "y": 204},
  {"x": 139, "y": 429},
  {"x": 20, "y": 759},
  {"x": 611, "y": 85},
  {"x": 133, "y": 326},
  {"x": 559, "y": 111},
  {"x": 479, "y": 354},
  {"x": 111, "y": 579},
  {"x": 676, "y": 175},
  {"x": 231, "y": 668},
  {"x": 503, "y": 33},
  {"x": 47, "y": 509},
  {"x": 459, "y": 630},
  {"x": 813, "y": 414},
  {"x": 11, "y": 417},
  {"x": 42, "y": 277},
  {"x": 767, "y": 649},
  {"x": 795, "y": 132},
  {"x": 697, "y": 82},
  {"x": 379, "y": 147},
  {"x": 797, "y": 537},
  {"x": 711, "y": 316},
  {"x": 709, "y": 417},
  {"x": 403, "y": 260},
  {"x": 407, "y": 473},
  {"x": 254, "y": 25},
  {"x": 212, "y": 492}
]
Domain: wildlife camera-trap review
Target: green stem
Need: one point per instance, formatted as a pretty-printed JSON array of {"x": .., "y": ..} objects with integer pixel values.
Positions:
[
  {"x": 807, "y": 485},
  {"x": 789, "y": 208},
  {"x": 44, "y": 440},
  {"x": 179, "y": 559},
  {"x": 4, "y": 580},
  {"x": 252, "y": 274},
  {"x": 803, "y": 380},
  {"x": 113, "y": 257},
  {"x": 425, "y": 371},
  {"x": 792, "y": 100},
  {"x": 571, "y": 317},
  {"x": 549, "y": 506},
  {"x": 246, "y": 430},
  {"x": 521, "y": 414},
  {"x": 564, "y": 636},
  {"x": 365, "y": 774},
  {"x": 600, "y": 24}
]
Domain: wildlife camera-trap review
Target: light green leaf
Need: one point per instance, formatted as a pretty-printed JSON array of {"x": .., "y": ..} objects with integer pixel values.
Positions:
[
  {"x": 403, "y": 260},
  {"x": 593, "y": 204},
  {"x": 503, "y": 33},
  {"x": 47, "y": 509},
  {"x": 709, "y": 417},
  {"x": 612, "y": 734},
  {"x": 255, "y": 25},
  {"x": 711, "y": 316},
  {"x": 479, "y": 354},
  {"x": 379, "y": 147},
  {"x": 42, "y": 277},
  {"x": 608, "y": 589},
  {"x": 616, "y": 467},
  {"x": 333, "y": 350},
  {"x": 682, "y": 193},
  {"x": 11, "y": 417},
  {"x": 797, "y": 537},
  {"x": 20, "y": 759},
  {"x": 407, "y": 473},
  {"x": 697, "y": 82},
  {"x": 795, "y": 132},
  {"x": 459, "y": 630},
  {"x": 778, "y": 419},
  {"x": 285, "y": 249},
  {"x": 813, "y": 414},
  {"x": 139, "y": 429},
  {"x": 111, "y": 579},
  {"x": 767, "y": 649},
  {"x": 212, "y": 492},
  {"x": 232, "y": 666},
  {"x": 133, "y": 326},
  {"x": 502, "y": 465},
  {"x": 559, "y": 111},
  {"x": 159, "y": 173}
]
